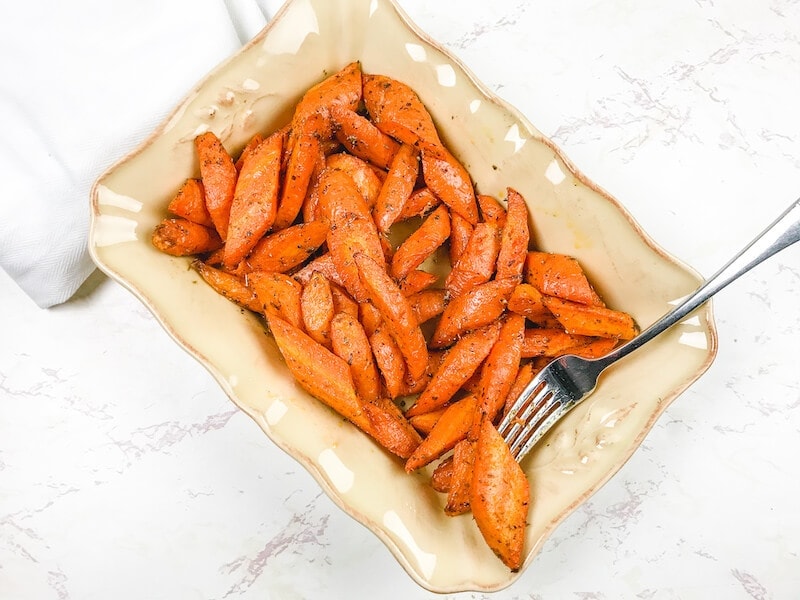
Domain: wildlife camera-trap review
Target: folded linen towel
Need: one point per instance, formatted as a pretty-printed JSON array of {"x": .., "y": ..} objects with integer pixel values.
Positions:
[{"x": 81, "y": 85}]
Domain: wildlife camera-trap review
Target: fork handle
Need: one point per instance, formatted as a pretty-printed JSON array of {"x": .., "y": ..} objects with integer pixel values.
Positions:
[{"x": 783, "y": 232}]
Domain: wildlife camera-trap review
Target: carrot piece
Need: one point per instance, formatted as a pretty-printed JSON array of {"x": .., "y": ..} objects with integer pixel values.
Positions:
[
  {"x": 458, "y": 365},
  {"x": 460, "y": 232},
  {"x": 283, "y": 250},
  {"x": 218, "y": 174},
  {"x": 311, "y": 201},
  {"x": 501, "y": 366},
  {"x": 477, "y": 262},
  {"x": 561, "y": 276},
  {"x": 427, "y": 304},
  {"x": 349, "y": 342},
  {"x": 369, "y": 316},
  {"x": 524, "y": 376},
  {"x": 416, "y": 281},
  {"x": 390, "y": 428},
  {"x": 389, "y": 359},
  {"x": 319, "y": 371},
  {"x": 322, "y": 263},
  {"x": 363, "y": 175},
  {"x": 338, "y": 193},
  {"x": 419, "y": 204},
  {"x": 499, "y": 497},
  {"x": 442, "y": 475},
  {"x": 584, "y": 319},
  {"x": 527, "y": 300},
  {"x": 316, "y": 308},
  {"x": 251, "y": 145},
  {"x": 300, "y": 168},
  {"x": 418, "y": 385},
  {"x": 449, "y": 180},
  {"x": 229, "y": 285},
  {"x": 397, "y": 110},
  {"x": 362, "y": 138},
  {"x": 491, "y": 210},
  {"x": 396, "y": 313},
  {"x": 397, "y": 187},
  {"x": 179, "y": 237},
  {"x": 458, "y": 496},
  {"x": 433, "y": 232},
  {"x": 342, "y": 88},
  {"x": 342, "y": 302},
  {"x": 255, "y": 200},
  {"x": 550, "y": 342},
  {"x": 595, "y": 348},
  {"x": 351, "y": 234},
  {"x": 190, "y": 203},
  {"x": 450, "y": 428},
  {"x": 425, "y": 422},
  {"x": 514, "y": 239},
  {"x": 278, "y": 294},
  {"x": 480, "y": 306}
]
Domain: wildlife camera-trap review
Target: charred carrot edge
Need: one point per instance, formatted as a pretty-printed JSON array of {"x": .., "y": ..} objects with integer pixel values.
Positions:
[{"x": 442, "y": 475}]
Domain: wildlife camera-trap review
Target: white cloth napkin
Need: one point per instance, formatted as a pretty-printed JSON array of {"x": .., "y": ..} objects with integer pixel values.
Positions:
[{"x": 81, "y": 84}]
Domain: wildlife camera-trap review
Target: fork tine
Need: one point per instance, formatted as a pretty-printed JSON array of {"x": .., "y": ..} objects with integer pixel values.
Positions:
[{"x": 536, "y": 427}]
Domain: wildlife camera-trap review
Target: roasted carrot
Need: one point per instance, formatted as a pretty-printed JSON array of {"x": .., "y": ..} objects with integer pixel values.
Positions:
[
  {"x": 419, "y": 204},
  {"x": 288, "y": 248},
  {"x": 415, "y": 281},
  {"x": 459, "y": 493},
  {"x": 460, "y": 232},
  {"x": 390, "y": 428},
  {"x": 322, "y": 263},
  {"x": 180, "y": 237},
  {"x": 499, "y": 497},
  {"x": 255, "y": 200},
  {"x": 190, "y": 203},
  {"x": 427, "y": 304},
  {"x": 342, "y": 88},
  {"x": 349, "y": 342},
  {"x": 449, "y": 180},
  {"x": 541, "y": 341},
  {"x": 442, "y": 475},
  {"x": 417, "y": 247},
  {"x": 229, "y": 285},
  {"x": 278, "y": 294},
  {"x": 500, "y": 367},
  {"x": 316, "y": 308},
  {"x": 460, "y": 362},
  {"x": 477, "y": 262},
  {"x": 397, "y": 187},
  {"x": 524, "y": 376},
  {"x": 491, "y": 210},
  {"x": 369, "y": 316},
  {"x": 480, "y": 306},
  {"x": 561, "y": 276},
  {"x": 389, "y": 359},
  {"x": 526, "y": 300},
  {"x": 450, "y": 428},
  {"x": 514, "y": 239},
  {"x": 352, "y": 234},
  {"x": 363, "y": 175},
  {"x": 425, "y": 422},
  {"x": 218, "y": 174},
  {"x": 362, "y": 138},
  {"x": 584, "y": 319},
  {"x": 342, "y": 302},
  {"x": 251, "y": 145}
]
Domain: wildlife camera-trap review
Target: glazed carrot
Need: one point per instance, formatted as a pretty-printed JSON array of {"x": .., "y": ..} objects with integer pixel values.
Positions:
[
  {"x": 449, "y": 180},
  {"x": 425, "y": 422},
  {"x": 527, "y": 300},
  {"x": 477, "y": 262},
  {"x": 460, "y": 362},
  {"x": 450, "y": 428},
  {"x": 190, "y": 203},
  {"x": 491, "y": 210},
  {"x": 397, "y": 110},
  {"x": 389, "y": 359},
  {"x": 415, "y": 281},
  {"x": 363, "y": 175},
  {"x": 551, "y": 342},
  {"x": 338, "y": 193},
  {"x": 460, "y": 232},
  {"x": 419, "y": 204},
  {"x": 561, "y": 276},
  {"x": 596, "y": 348},
  {"x": 278, "y": 294},
  {"x": 229, "y": 285},
  {"x": 501, "y": 366},
  {"x": 255, "y": 200},
  {"x": 178, "y": 237},
  {"x": 218, "y": 174},
  {"x": 459, "y": 493},
  {"x": 499, "y": 497},
  {"x": 514, "y": 239},
  {"x": 390, "y": 428},
  {"x": 442, "y": 475},
  {"x": 302, "y": 162},
  {"x": 427, "y": 304},
  {"x": 350, "y": 235},
  {"x": 433, "y": 232},
  {"x": 342, "y": 302},
  {"x": 350, "y": 342},
  {"x": 584, "y": 319},
  {"x": 283, "y": 250},
  {"x": 362, "y": 138},
  {"x": 370, "y": 317},
  {"x": 316, "y": 308},
  {"x": 311, "y": 201},
  {"x": 342, "y": 88},
  {"x": 525, "y": 375},
  {"x": 397, "y": 187},
  {"x": 396, "y": 312},
  {"x": 251, "y": 145},
  {"x": 482, "y": 305},
  {"x": 319, "y": 371},
  {"x": 322, "y": 263},
  {"x": 418, "y": 385}
]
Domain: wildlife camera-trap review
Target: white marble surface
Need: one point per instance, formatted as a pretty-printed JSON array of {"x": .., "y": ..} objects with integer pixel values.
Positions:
[{"x": 126, "y": 473}]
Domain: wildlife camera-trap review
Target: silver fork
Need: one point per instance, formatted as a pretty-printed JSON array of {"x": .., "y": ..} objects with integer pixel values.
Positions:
[{"x": 567, "y": 380}]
